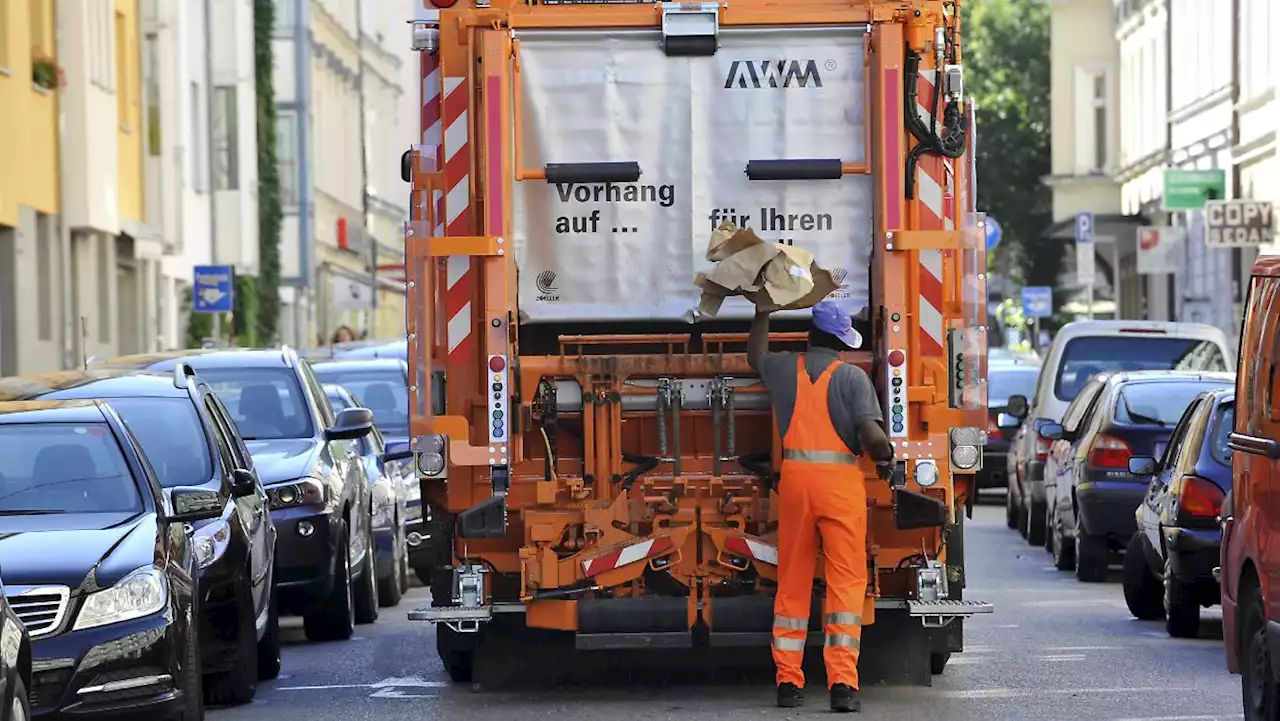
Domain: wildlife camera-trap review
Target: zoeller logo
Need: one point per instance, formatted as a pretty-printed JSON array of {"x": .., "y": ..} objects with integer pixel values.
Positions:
[
  {"x": 546, "y": 284},
  {"x": 774, "y": 74}
]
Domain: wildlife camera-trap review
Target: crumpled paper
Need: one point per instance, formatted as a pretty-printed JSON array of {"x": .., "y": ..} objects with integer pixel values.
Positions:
[{"x": 771, "y": 275}]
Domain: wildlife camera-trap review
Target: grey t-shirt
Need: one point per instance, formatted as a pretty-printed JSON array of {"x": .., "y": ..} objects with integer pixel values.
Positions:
[{"x": 851, "y": 396}]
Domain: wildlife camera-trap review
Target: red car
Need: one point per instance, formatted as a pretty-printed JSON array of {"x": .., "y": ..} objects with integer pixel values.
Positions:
[{"x": 1250, "y": 566}]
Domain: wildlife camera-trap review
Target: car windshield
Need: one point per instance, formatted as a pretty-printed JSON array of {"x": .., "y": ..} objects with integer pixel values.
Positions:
[
  {"x": 1157, "y": 403},
  {"x": 1225, "y": 421},
  {"x": 64, "y": 468},
  {"x": 1085, "y": 357},
  {"x": 171, "y": 435},
  {"x": 266, "y": 403},
  {"x": 382, "y": 391},
  {"x": 1005, "y": 382}
]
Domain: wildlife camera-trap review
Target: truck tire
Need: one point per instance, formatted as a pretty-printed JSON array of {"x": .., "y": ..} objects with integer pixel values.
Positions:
[
  {"x": 938, "y": 662},
  {"x": 456, "y": 654},
  {"x": 1259, "y": 692}
]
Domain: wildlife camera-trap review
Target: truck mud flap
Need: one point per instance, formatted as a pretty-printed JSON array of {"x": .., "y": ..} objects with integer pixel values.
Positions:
[{"x": 631, "y": 623}]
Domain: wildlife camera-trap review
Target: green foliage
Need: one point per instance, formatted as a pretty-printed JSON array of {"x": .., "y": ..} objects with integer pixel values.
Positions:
[
  {"x": 1006, "y": 58},
  {"x": 267, "y": 291},
  {"x": 245, "y": 331},
  {"x": 199, "y": 325}
]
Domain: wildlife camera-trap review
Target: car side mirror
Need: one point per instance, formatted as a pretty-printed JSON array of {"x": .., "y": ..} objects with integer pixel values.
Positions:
[
  {"x": 397, "y": 451},
  {"x": 1007, "y": 420},
  {"x": 194, "y": 503},
  {"x": 1142, "y": 465},
  {"x": 1051, "y": 431},
  {"x": 1018, "y": 406},
  {"x": 352, "y": 423},
  {"x": 243, "y": 483}
]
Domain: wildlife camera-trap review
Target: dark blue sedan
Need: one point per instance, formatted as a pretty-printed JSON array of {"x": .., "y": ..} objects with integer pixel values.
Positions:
[{"x": 1168, "y": 570}]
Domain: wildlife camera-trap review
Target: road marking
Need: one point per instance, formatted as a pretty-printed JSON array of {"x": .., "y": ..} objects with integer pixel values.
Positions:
[
  {"x": 966, "y": 661},
  {"x": 1063, "y": 657},
  {"x": 390, "y": 682},
  {"x": 1070, "y": 602},
  {"x": 1013, "y": 693},
  {"x": 1083, "y": 648},
  {"x": 392, "y": 693},
  {"x": 1183, "y": 718}
]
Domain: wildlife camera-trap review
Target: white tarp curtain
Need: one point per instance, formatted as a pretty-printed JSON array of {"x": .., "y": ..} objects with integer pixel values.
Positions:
[{"x": 631, "y": 250}]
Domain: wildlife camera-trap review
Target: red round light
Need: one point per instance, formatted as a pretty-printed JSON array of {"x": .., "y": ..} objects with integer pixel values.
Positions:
[
  {"x": 897, "y": 358},
  {"x": 444, "y": 3},
  {"x": 497, "y": 363}
]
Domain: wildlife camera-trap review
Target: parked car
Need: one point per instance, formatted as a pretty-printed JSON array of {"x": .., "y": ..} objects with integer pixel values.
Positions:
[
  {"x": 99, "y": 565},
  {"x": 397, "y": 349},
  {"x": 1250, "y": 571},
  {"x": 306, "y": 457},
  {"x": 1080, "y": 351},
  {"x": 1093, "y": 491},
  {"x": 1168, "y": 567},
  {"x": 189, "y": 440},
  {"x": 15, "y": 664},
  {"x": 1005, "y": 379},
  {"x": 389, "y": 488}
]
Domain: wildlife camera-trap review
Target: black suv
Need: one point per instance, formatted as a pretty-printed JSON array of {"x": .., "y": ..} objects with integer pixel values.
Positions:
[
  {"x": 189, "y": 440},
  {"x": 307, "y": 459}
]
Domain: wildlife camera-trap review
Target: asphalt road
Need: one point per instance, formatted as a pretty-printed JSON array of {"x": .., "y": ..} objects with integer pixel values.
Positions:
[{"x": 1055, "y": 649}]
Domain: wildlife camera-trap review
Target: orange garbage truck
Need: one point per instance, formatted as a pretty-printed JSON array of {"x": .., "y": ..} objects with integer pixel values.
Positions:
[{"x": 598, "y": 458}]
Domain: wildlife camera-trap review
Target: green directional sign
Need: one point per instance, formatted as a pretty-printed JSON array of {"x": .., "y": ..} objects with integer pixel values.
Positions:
[{"x": 1190, "y": 189}]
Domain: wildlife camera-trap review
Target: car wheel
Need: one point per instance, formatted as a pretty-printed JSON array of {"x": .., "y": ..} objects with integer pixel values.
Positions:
[
  {"x": 1035, "y": 526},
  {"x": 1064, "y": 555},
  {"x": 269, "y": 661},
  {"x": 1142, "y": 592},
  {"x": 20, "y": 709},
  {"x": 389, "y": 591},
  {"x": 1259, "y": 692},
  {"x": 367, "y": 590},
  {"x": 1091, "y": 557},
  {"x": 404, "y": 565},
  {"x": 239, "y": 685},
  {"x": 1048, "y": 527},
  {"x": 335, "y": 620},
  {"x": 1181, "y": 611},
  {"x": 1022, "y": 520},
  {"x": 1010, "y": 511},
  {"x": 192, "y": 676}
]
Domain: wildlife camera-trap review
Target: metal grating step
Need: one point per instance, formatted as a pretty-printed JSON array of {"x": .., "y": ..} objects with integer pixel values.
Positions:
[{"x": 948, "y": 608}]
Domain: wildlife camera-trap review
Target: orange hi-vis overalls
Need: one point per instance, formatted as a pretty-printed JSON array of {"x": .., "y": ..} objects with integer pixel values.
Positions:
[{"x": 822, "y": 494}]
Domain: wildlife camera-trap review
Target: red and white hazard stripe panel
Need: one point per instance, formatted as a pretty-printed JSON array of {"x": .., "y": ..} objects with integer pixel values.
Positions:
[
  {"x": 753, "y": 549},
  {"x": 457, "y": 201},
  {"x": 431, "y": 123},
  {"x": 934, "y": 189},
  {"x": 630, "y": 554}
]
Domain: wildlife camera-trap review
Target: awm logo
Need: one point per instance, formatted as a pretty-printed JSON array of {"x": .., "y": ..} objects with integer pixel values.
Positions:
[
  {"x": 838, "y": 275},
  {"x": 774, "y": 74},
  {"x": 546, "y": 284}
]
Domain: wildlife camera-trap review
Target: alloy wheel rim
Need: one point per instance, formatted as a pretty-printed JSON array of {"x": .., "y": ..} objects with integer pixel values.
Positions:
[{"x": 17, "y": 712}]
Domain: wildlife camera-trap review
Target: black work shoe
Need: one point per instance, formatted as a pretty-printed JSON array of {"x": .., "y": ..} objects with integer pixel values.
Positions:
[
  {"x": 790, "y": 695},
  {"x": 844, "y": 699}
]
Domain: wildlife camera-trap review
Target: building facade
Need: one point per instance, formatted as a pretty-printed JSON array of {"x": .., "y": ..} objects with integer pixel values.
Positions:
[{"x": 1085, "y": 96}]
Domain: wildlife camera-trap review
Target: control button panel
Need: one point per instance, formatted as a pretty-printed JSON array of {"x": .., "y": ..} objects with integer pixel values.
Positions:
[
  {"x": 896, "y": 395},
  {"x": 498, "y": 410}
]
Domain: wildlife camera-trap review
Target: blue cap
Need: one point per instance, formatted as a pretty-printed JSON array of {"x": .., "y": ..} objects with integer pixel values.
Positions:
[{"x": 830, "y": 317}]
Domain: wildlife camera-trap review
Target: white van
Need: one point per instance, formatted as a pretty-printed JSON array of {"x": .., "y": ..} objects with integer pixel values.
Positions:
[{"x": 1080, "y": 351}]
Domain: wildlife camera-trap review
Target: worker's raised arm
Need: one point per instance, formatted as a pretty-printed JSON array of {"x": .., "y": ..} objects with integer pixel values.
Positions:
[{"x": 758, "y": 342}]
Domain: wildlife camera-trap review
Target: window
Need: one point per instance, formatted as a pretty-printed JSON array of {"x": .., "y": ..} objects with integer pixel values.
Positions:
[
  {"x": 265, "y": 403},
  {"x": 327, "y": 416},
  {"x": 154, "y": 137},
  {"x": 239, "y": 453},
  {"x": 1092, "y": 114},
  {"x": 226, "y": 160},
  {"x": 1159, "y": 403},
  {"x": 1087, "y": 356},
  {"x": 221, "y": 435},
  {"x": 171, "y": 435},
  {"x": 286, "y": 14},
  {"x": 65, "y": 468},
  {"x": 386, "y": 392},
  {"x": 1223, "y": 425},
  {"x": 1075, "y": 412},
  {"x": 287, "y": 157},
  {"x": 123, "y": 99},
  {"x": 1255, "y": 53},
  {"x": 199, "y": 180}
]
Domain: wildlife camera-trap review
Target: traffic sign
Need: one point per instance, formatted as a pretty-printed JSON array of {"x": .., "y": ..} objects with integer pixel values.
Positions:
[
  {"x": 1189, "y": 189},
  {"x": 994, "y": 231},
  {"x": 213, "y": 289},
  {"x": 1084, "y": 227},
  {"x": 1037, "y": 301}
]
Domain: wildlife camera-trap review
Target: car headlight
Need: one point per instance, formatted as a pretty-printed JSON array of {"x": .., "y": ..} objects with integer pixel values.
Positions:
[
  {"x": 211, "y": 542},
  {"x": 141, "y": 593},
  {"x": 305, "y": 492}
]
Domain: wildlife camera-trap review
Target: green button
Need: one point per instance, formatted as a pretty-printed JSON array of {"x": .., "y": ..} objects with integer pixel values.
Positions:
[
  {"x": 897, "y": 409},
  {"x": 896, "y": 317},
  {"x": 497, "y": 414}
]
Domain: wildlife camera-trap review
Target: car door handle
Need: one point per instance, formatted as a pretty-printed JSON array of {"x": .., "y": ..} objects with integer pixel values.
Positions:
[{"x": 1254, "y": 445}]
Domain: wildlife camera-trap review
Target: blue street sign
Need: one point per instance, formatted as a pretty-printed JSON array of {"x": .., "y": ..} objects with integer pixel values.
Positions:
[
  {"x": 1037, "y": 301},
  {"x": 1084, "y": 227},
  {"x": 213, "y": 289},
  {"x": 993, "y": 233}
]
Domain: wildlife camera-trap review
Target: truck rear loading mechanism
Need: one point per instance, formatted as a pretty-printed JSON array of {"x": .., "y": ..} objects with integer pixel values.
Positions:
[{"x": 607, "y": 467}]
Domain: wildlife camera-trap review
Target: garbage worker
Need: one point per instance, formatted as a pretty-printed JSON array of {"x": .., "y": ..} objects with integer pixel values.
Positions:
[{"x": 828, "y": 413}]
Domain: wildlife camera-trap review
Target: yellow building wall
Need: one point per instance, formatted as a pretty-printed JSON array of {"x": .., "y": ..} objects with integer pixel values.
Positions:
[
  {"x": 29, "y": 120},
  {"x": 129, "y": 108}
]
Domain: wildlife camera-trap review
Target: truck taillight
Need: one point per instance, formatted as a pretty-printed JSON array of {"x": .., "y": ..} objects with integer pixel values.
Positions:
[
  {"x": 1109, "y": 452},
  {"x": 1200, "y": 497},
  {"x": 444, "y": 3}
]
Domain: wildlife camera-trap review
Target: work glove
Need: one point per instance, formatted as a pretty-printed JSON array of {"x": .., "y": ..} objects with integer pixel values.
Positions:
[{"x": 884, "y": 470}]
